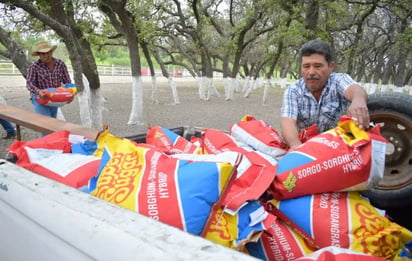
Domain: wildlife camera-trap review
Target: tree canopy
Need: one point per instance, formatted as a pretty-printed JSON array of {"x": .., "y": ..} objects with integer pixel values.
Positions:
[{"x": 372, "y": 40}]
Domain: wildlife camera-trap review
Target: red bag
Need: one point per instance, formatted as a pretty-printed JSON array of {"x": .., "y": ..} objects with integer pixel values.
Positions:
[
  {"x": 58, "y": 140},
  {"x": 259, "y": 135},
  {"x": 50, "y": 156},
  {"x": 308, "y": 133},
  {"x": 255, "y": 171},
  {"x": 56, "y": 97},
  {"x": 345, "y": 158},
  {"x": 74, "y": 170},
  {"x": 168, "y": 141},
  {"x": 339, "y": 254}
]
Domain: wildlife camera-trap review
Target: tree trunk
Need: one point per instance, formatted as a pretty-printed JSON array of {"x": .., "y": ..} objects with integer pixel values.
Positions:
[
  {"x": 122, "y": 20},
  {"x": 14, "y": 52}
]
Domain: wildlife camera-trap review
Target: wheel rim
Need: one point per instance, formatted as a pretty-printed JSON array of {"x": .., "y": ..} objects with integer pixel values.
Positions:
[{"x": 397, "y": 129}]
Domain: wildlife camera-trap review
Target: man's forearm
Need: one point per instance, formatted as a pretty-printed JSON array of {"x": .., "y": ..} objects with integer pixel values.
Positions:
[
  {"x": 356, "y": 91},
  {"x": 289, "y": 132},
  {"x": 358, "y": 108},
  {"x": 292, "y": 140}
]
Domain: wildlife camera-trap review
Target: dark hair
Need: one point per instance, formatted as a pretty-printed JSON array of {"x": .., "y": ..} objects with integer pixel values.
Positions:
[{"x": 316, "y": 46}]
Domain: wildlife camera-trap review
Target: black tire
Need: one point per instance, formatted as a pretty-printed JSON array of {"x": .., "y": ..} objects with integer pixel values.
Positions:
[{"x": 393, "y": 112}]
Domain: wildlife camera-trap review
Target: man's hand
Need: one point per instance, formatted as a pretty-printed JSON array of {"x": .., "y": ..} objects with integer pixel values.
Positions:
[
  {"x": 294, "y": 145},
  {"x": 358, "y": 110},
  {"x": 42, "y": 95},
  {"x": 290, "y": 132}
]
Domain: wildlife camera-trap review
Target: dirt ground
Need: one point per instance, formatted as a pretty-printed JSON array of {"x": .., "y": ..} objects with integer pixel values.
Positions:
[{"x": 192, "y": 111}]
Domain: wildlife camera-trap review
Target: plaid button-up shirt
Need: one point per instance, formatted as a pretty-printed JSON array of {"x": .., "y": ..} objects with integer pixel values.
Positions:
[
  {"x": 299, "y": 103},
  {"x": 40, "y": 77}
]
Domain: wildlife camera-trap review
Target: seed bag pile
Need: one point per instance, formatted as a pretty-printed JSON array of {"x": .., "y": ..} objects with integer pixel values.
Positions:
[{"x": 242, "y": 188}]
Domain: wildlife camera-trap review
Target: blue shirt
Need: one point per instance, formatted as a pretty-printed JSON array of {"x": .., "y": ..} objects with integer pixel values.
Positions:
[{"x": 299, "y": 103}]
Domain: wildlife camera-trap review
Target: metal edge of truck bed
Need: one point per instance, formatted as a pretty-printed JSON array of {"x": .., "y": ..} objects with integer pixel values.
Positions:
[{"x": 41, "y": 219}]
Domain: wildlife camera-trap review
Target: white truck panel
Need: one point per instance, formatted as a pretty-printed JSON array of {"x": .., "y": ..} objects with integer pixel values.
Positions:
[{"x": 41, "y": 219}]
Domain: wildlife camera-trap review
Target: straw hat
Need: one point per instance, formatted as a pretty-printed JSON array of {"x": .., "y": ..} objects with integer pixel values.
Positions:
[{"x": 42, "y": 47}]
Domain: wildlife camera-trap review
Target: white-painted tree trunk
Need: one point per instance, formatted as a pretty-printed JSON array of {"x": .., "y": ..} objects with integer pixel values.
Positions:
[
  {"x": 384, "y": 88},
  {"x": 155, "y": 93},
  {"x": 259, "y": 83},
  {"x": 238, "y": 85},
  {"x": 245, "y": 84},
  {"x": 137, "y": 101},
  {"x": 60, "y": 114},
  {"x": 202, "y": 88},
  {"x": 84, "y": 104},
  {"x": 373, "y": 87},
  {"x": 96, "y": 108},
  {"x": 229, "y": 87},
  {"x": 172, "y": 85},
  {"x": 366, "y": 87},
  {"x": 399, "y": 89},
  {"x": 207, "y": 88},
  {"x": 250, "y": 87},
  {"x": 282, "y": 83},
  {"x": 206, "y": 82},
  {"x": 212, "y": 88},
  {"x": 266, "y": 87}
]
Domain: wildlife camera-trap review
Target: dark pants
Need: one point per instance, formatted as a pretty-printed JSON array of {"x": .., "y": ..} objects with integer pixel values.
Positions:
[{"x": 8, "y": 127}]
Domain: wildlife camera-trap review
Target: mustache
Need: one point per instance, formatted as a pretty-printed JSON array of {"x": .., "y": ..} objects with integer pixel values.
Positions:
[{"x": 312, "y": 77}]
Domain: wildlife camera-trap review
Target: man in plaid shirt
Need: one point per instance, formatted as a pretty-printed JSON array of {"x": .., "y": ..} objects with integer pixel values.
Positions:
[
  {"x": 47, "y": 72},
  {"x": 320, "y": 96}
]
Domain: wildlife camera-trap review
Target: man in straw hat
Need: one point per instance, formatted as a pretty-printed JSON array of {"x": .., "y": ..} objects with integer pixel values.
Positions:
[{"x": 47, "y": 72}]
